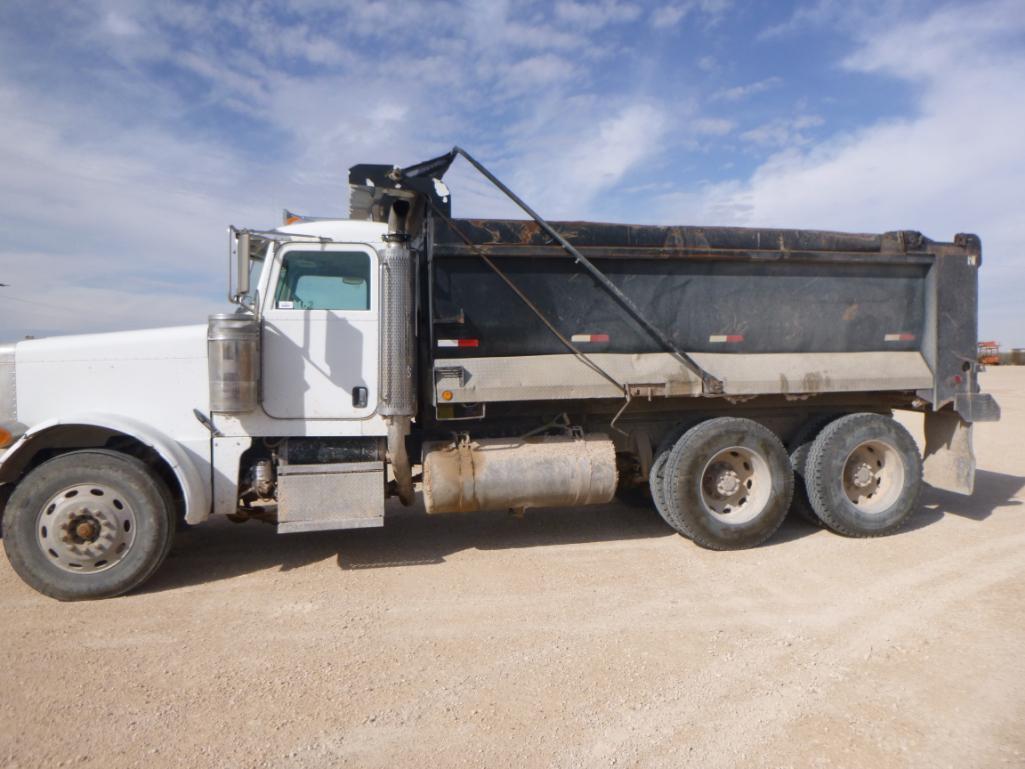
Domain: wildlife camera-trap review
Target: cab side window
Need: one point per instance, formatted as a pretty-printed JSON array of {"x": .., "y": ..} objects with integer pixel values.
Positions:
[{"x": 324, "y": 280}]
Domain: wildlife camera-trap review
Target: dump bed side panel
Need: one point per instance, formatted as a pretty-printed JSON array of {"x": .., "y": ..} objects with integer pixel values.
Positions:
[
  {"x": 789, "y": 311},
  {"x": 702, "y": 305}
]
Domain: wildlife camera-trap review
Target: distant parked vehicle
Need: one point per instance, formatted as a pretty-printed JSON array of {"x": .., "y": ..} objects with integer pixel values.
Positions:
[{"x": 989, "y": 353}]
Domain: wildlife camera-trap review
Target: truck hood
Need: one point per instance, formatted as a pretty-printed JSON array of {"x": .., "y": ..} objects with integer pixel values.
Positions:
[
  {"x": 145, "y": 344},
  {"x": 157, "y": 376}
]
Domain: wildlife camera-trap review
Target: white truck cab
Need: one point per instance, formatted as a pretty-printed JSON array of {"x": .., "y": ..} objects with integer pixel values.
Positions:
[{"x": 138, "y": 404}]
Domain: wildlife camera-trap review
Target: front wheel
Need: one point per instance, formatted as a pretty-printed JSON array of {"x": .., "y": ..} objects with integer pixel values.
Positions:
[
  {"x": 88, "y": 524},
  {"x": 728, "y": 483},
  {"x": 863, "y": 475}
]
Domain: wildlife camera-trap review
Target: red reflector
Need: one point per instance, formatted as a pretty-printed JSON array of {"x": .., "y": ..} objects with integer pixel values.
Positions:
[{"x": 469, "y": 343}]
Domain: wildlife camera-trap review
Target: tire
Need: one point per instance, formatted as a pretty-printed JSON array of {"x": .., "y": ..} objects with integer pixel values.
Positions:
[
  {"x": 864, "y": 475},
  {"x": 799, "y": 447},
  {"x": 88, "y": 524},
  {"x": 5, "y": 495},
  {"x": 656, "y": 479},
  {"x": 728, "y": 482}
]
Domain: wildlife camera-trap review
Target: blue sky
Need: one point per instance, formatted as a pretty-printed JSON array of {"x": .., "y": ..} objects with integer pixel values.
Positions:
[{"x": 133, "y": 132}]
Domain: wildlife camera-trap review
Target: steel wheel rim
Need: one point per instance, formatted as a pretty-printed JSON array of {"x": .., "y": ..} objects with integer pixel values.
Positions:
[
  {"x": 873, "y": 476},
  {"x": 86, "y": 528},
  {"x": 736, "y": 485}
]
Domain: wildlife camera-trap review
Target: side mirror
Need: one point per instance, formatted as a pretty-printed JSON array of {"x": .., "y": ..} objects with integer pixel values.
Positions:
[
  {"x": 239, "y": 249},
  {"x": 243, "y": 262}
]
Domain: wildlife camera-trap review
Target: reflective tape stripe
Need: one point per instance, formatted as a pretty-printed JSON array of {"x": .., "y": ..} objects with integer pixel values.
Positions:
[
  {"x": 458, "y": 343},
  {"x": 728, "y": 338},
  {"x": 589, "y": 338},
  {"x": 903, "y": 337}
]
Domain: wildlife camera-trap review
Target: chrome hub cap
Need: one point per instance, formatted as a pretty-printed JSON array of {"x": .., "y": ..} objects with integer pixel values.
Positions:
[
  {"x": 861, "y": 474},
  {"x": 873, "y": 476},
  {"x": 86, "y": 528},
  {"x": 736, "y": 484}
]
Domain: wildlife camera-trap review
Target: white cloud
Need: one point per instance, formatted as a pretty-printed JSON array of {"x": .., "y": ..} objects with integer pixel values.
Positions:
[
  {"x": 620, "y": 142},
  {"x": 782, "y": 132},
  {"x": 739, "y": 92},
  {"x": 842, "y": 14},
  {"x": 537, "y": 71},
  {"x": 668, "y": 16},
  {"x": 957, "y": 166},
  {"x": 112, "y": 191},
  {"x": 123, "y": 186},
  {"x": 581, "y": 157},
  {"x": 118, "y": 24},
  {"x": 595, "y": 15},
  {"x": 127, "y": 232},
  {"x": 710, "y": 126}
]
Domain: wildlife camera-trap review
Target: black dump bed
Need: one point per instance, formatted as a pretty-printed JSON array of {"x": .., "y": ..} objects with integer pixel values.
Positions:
[
  {"x": 714, "y": 289},
  {"x": 708, "y": 289},
  {"x": 532, "y": 309}
]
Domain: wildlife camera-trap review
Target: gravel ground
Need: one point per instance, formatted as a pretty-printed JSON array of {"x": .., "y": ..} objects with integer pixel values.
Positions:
[{"x": 590, "y": 637}]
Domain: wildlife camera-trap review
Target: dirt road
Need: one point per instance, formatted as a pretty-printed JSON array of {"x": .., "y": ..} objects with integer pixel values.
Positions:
[{"x": 591, "y": 637}]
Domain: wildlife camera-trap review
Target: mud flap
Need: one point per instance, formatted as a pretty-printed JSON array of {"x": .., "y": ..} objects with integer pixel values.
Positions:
[{"x": 949, "y": 461}]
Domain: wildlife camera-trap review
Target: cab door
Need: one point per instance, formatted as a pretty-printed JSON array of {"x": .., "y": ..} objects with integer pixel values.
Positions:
[{"x": 320, "y": 332}]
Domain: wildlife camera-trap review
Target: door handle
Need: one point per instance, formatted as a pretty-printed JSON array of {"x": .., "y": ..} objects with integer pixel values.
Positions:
[{"x": 359, "y": 397}]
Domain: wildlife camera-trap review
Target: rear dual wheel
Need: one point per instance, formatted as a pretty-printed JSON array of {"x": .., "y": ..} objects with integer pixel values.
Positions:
[
  {"x": 656, "y": 479},
  {"x": 799, "y": 448},
  {"x": 863, "y": 475},
  {"x": 726, "y": 484}
]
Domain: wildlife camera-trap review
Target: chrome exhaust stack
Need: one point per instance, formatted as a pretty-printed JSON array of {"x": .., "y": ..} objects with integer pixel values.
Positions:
[{"x": 397, "y": 394}]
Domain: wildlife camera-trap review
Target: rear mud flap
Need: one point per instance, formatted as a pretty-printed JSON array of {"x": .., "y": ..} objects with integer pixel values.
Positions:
[{"x": 949, "y": 461}]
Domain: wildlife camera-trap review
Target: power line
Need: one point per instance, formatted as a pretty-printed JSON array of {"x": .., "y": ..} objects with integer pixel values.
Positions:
[{"x": 62, "y": 308}]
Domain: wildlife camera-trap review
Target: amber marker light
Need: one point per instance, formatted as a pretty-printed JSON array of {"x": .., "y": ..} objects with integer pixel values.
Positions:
[
  {"x": 446, "y": 395},
  {"x": 10, "y": 432}
]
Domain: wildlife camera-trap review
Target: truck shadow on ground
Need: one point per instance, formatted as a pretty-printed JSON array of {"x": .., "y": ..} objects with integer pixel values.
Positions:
[
  {"x": 992, "y": 490},
  {"x": 220, "y": 550}
]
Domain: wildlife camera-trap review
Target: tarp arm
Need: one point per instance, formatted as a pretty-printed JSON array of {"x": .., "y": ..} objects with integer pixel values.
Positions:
[{"x": 710, "y": 384}]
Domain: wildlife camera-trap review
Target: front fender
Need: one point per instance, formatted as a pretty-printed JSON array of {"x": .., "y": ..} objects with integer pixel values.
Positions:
[{"x": 195, "y": 489}]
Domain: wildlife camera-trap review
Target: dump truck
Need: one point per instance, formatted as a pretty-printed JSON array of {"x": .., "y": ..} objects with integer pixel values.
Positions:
[{"x": 727, "y": 375}]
